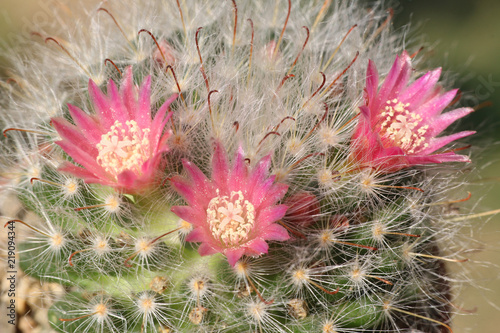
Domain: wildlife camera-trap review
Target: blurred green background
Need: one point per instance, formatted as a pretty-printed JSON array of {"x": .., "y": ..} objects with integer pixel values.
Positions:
[{"x": 464, "y": 38}]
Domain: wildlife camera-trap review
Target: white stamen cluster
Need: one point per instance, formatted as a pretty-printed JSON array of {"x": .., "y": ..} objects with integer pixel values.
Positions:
[
  {"x": 403, "y": 127},
  {"x": 124, "y": 148},
  {"x": 230, "y": 218}
]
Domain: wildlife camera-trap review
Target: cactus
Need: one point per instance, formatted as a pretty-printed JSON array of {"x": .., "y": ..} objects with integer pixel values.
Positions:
[{"x": 232, "y": 166}]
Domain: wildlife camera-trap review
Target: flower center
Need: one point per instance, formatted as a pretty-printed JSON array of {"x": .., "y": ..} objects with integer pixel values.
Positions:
[
  {"x": 230, "y": 218},
  {"x": 399, "y": 126},
  {"x": 124, "y": 147}
]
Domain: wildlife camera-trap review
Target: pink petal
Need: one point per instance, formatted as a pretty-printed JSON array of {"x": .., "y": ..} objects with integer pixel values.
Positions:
[
  {"x": 446, "y": 119},
  {"x": 233, "y": 255},
  {"x": 87, "y": 125},
  {"x": 83, "y": 158},
  {"x": 259, "y": 173},
  {"x": 399, "y": 71},
  {"x": 239, "y": 172},
  {"x": 436, "y": 105},
  {"x": 70, "y": 133},
  {"x": 86, "y": 175},
  {"x": 206, "y": 250},
  {"x": 160, "y": 120},
  {"x": 436, "y": 143},
  {"x": 257, "y": 246},
  {"x": 185, "y": 189},
  {"x": 438, "y": 158},
  {"x": 128, "y": 93},
  {"x": 420, "y": 90},
  {"x": 101, "y": 105},
  {"x": 220, "y": 167},
  {"x": 260, "y": 191},
  {"x": 127, "y": 180},
  {"x": 270, "y": 215},
  {"x": 198, "y": 178},
  {"x": 162, "y": 146},
  {"x": 275, "y": 232},
  {"x": 143, "y": 109},
  {"x": 118, "y": 109},
  {"x": 189, "y": 214},
  {"x": 196, "y": 235},
  {"x": 371, "y": 82},
  {"x": 275, "y": 194}
]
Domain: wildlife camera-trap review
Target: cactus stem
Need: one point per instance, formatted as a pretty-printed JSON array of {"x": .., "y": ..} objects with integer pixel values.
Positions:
[
  {"x": 147, "y": 245},
  {"x": 388, "y": 307}
]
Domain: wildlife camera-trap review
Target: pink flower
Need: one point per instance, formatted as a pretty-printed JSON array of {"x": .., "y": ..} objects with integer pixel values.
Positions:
[
  {"x": 303, "y": 209},
  {"x": 399, "y": 123},
  {"x": 121, "y": 146},
  {"x": 233, "y": 212}
]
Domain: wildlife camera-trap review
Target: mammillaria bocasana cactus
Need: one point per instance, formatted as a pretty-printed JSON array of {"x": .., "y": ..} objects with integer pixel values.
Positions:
[{"x": 233, "y": 166}]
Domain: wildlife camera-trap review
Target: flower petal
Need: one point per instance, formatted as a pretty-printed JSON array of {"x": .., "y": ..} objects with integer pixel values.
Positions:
[
  {"x": 86, "y": 124},
  {"x": 206, "y": 250},
  {"x": 276, "y": 232},
  {"x": 143, "y": 109},
  {"x": 101, "y": 105},
  {"x": 233, "y": 255},
  {"x": 446, "y": 119},
  {"x": 270, "y": 214},
  {"x": 257, "y": 246},
  {"x": 128, "y": 92},
  {"x": 437, "y": 143},
  {"x": 220, "y": 167}
]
